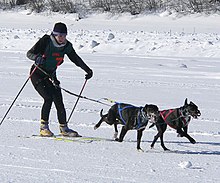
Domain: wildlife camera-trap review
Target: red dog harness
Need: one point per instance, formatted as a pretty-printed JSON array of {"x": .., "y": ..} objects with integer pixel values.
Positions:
[{"x": 166, "y": 113}]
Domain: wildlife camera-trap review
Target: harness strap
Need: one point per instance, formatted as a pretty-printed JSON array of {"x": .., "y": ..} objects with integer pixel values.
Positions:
[
  {"x": 185, "y": 119},
  {"x": 165, "y": 117},
  {"x": 120, "y": 111},
  {"x": 141, "y": 120}
]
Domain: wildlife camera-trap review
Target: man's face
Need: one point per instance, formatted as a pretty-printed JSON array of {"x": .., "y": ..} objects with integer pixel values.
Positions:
[{"x": 61, "y": 38}]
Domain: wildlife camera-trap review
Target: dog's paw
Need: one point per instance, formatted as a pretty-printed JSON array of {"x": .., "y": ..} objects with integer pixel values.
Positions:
[
  {"x": 192, "y": 141},
  {"x": 118, "y": 140},
  {"x": 179, "y": 135},
  {"x": 140, "y": 150},
  {"x": 115, "y": 136},
  {"x": 95, "y": 127},
  {"x": 166, "y": 149}
]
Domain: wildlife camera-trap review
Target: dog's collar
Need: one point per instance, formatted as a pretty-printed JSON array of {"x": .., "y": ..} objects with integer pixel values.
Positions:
[
  {"x": 141, "y": 120},
  {"x": 184, "y": 116},
  {"x": 143, "y": 113}
]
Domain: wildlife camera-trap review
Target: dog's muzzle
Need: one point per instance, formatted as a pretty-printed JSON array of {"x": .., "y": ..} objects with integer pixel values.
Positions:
[{"x": 195, "y": 114}]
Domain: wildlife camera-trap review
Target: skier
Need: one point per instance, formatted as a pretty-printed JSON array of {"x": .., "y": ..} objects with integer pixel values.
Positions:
[{"x": 48, "y": 53}]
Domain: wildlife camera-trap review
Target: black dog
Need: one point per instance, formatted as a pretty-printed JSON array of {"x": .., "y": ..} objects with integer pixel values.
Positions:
[
  {"x": 178, "y": 119},
  {"x": 131, "y": 117}
]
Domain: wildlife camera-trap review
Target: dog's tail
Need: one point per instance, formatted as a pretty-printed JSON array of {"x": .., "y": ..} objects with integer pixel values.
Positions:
[
  {"x": 101, "y": 113},
  {"x": 101, "y": 120}
]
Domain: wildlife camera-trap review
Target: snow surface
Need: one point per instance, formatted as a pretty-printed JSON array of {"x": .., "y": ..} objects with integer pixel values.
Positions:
[{"x": 145, "y": 59}]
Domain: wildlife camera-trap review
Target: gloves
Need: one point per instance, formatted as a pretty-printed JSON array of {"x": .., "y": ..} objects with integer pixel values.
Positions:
[
  {"x": 89, "y": 75},
  {"x": 39, "y": 60}
]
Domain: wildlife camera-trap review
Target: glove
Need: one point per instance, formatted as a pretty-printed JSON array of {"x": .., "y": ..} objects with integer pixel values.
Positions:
[
  {"x": 89, "y": 75},
  {"x": 39, "y": 60}
]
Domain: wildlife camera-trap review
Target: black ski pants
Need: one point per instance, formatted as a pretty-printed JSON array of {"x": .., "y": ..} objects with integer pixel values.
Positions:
[{"x": 50, "y": 94}]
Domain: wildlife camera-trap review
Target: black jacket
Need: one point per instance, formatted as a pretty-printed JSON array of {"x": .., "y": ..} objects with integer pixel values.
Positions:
[{"x": 54, "y": 54}]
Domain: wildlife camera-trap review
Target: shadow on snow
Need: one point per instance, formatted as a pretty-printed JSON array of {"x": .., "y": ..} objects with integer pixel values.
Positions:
[{"x": 197, "y": 152}]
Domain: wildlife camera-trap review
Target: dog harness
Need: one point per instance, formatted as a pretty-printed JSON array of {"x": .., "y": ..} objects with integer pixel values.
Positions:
[
  {"x": 141, "y": 120},
  {"x": 183, "y": 117}
]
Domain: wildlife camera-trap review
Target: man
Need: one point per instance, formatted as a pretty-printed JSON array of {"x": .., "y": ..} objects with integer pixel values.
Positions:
[{"x": 48, "y": 53}]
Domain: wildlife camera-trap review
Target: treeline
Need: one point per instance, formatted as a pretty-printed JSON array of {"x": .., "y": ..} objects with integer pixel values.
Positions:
[{"x": 134, "y": 7}]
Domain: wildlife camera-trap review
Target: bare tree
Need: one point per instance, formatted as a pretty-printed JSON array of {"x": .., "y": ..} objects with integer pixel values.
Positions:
[
  {"x": 22, "y": 2},
  {"x": 37, "y": 5},
  {"x": 117, "y": 6}
]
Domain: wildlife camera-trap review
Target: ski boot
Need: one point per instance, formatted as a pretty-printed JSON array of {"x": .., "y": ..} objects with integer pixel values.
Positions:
[
  {"x": 44, "y": 129},
  {"x": 66, "y": 131}
]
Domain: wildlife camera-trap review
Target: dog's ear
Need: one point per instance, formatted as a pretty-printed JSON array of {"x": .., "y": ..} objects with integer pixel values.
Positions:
[
  {"x": 186, "y": 102},
  {"x": 146, "y": 106},
  {"x": 191, "y": 103}
]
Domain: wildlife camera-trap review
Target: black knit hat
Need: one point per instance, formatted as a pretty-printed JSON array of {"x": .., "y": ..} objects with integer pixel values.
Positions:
[{"x": 60, "y": 28}]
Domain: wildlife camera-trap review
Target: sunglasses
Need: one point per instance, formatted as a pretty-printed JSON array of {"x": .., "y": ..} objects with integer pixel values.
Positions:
[{"x": 59, "y": 34}]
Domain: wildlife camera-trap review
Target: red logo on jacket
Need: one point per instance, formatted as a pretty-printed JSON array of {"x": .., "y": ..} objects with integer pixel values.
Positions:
[
  {"x": 58, "y": 58},
  {"x": 55, "y": 54}
]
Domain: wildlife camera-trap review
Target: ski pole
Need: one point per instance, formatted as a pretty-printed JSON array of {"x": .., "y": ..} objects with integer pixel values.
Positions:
[
  {"x": 77, "y": 100},
  {"x": 18, "y": 94}
]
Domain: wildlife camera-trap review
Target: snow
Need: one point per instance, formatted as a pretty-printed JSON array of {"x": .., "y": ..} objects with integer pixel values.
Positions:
[
  {"x": 156, "y": 59},
  {"x": 185, "y": 164}
]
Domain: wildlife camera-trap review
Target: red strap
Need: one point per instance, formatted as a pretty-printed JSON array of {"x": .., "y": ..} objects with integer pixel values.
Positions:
[{"x": 165, "y": 117}]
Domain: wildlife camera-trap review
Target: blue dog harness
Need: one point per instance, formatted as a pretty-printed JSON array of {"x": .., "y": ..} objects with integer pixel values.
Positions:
[{"x": 140, "y": 121}]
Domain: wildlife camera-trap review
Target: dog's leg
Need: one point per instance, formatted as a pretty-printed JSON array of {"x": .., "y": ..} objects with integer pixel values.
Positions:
[
  {"x": 99, "y": 123},
  {"x": 162, "y": 143},
  {"x": 116, "y": 131},
  {"x": 155, "y": 139},
  {"x": 103, "y": 118},
  {"x": 112, "y": 120},
  {"x": 161, "y": 129},
  {"x": 139, "y": 135},
  {"x": 122, "y": 134},
  {"x": 185, "y": 129},
  {"x": 184, "y": 134}
]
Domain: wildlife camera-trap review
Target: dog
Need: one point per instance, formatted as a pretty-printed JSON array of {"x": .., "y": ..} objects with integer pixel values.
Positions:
[
  {"x": 178, "y": 119},
  {"x": 131, "y": 117}
]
